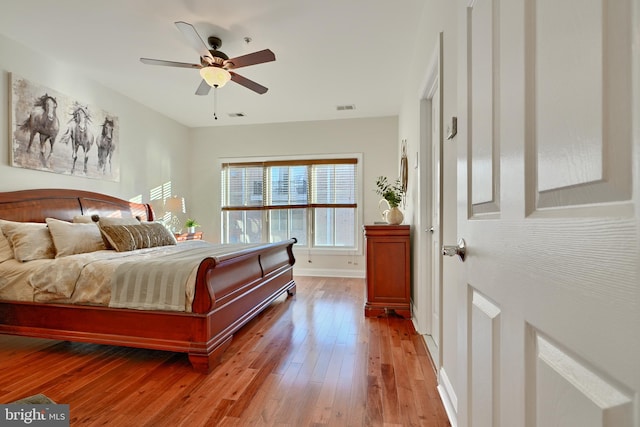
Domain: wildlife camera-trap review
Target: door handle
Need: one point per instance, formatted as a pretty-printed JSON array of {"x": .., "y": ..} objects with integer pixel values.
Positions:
[
  {"x": 460, "y": 250},
  {"x": 431, "y": 230}
]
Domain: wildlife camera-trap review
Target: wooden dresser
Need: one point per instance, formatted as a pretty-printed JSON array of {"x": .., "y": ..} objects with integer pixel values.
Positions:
[{"x": 388, "y": 270}]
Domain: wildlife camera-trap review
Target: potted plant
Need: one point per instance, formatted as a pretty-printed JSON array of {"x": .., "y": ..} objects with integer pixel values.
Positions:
[
  {"x": 393, "y": 194},
  {"x": 191, "y": 225}
]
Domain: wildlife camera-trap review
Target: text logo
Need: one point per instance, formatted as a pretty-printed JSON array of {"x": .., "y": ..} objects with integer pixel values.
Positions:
[{"x": 34, "y": 415}]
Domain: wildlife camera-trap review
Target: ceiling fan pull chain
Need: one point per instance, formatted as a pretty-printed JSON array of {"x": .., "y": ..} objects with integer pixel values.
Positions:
[{"x": 215, "y": 102}]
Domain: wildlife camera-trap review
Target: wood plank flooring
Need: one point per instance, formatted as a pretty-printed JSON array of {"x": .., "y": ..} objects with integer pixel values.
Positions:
[{"x": 309, "y": 360}]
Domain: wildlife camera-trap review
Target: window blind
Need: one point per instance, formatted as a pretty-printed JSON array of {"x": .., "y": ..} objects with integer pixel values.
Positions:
[{"x": 289, "y": 184}]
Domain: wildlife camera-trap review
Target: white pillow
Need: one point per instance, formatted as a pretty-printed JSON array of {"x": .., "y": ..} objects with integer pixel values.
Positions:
[
  {"x": 29, "y": 240},
  {"x": 71, "y": 239},
  {"x": 5, "y": 248}
]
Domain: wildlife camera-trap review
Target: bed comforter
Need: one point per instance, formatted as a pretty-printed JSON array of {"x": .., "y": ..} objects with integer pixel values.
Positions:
[{"x": 160, "y": 278}]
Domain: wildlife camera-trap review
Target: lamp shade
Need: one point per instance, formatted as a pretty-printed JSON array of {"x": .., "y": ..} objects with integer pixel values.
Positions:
[
  {"x": 174, "y": 205},
  {"x": 158, "y": 207},
  {"x": 215, "y": 76}
]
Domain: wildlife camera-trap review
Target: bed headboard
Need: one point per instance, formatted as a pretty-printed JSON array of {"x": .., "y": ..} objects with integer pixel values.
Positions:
[{"x": 36, "y": 205}]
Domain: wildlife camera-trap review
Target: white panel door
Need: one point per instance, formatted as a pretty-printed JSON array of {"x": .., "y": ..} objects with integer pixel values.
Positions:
[{"x": 548, "y": 189}]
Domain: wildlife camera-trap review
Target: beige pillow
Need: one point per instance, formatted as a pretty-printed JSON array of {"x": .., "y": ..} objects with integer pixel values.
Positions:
[
  {"x": 5, "y": 248},
  {"x": 105, "y": 220},
  {"x": 29, "y": 240},
  {"x": 143, "y": 235},
  {"x": 71, "y": 239},
  {"x": 82, "y": 219}
]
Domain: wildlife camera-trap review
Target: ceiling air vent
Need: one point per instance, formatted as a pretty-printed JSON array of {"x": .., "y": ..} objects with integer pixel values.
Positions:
[
  {"x": 345, "y": 107},
  {"x": 236, "y": 114}
]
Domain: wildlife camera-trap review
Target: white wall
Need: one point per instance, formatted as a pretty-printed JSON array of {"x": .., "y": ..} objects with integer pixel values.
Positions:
[
  {"x": 151, "y": 146},
  {"x": 375, "y": 138}
]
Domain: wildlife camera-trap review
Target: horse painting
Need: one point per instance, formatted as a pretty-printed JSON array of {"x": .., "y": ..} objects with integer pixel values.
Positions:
[
  {"x": 44, "y": 122},
  {"x": 105, "y": 145},
  {"x": 79, "y": 134}
]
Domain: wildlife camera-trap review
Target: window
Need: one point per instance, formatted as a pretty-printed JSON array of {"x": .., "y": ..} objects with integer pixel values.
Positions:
[{"x": 313, "y": 200}]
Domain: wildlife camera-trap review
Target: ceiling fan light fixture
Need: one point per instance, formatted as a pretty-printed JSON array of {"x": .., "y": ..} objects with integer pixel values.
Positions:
[{"x": 215, "y": 76}]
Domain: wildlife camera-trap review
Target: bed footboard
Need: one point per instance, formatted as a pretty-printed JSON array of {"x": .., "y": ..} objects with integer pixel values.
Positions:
[{"x": 234, "y": 290}]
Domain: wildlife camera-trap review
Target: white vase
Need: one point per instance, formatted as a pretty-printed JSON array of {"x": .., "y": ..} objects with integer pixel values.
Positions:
[
  {"x": 394, "y": 216},
  {"x": 191, "y": 230}
]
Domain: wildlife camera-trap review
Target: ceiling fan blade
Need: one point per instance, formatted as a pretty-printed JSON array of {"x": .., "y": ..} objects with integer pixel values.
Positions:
[
  {"x": 250, "y": 59},
  {"x": 203, "y": 89},
  {"x": 249, "y": 84},
  {"x": 194, "y": 38},
  {"x": 169, "y": 63}
]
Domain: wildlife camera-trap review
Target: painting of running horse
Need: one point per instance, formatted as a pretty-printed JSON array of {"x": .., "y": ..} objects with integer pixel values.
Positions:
[
  {"x": 79, "y": 134},
  {"x": 106, "y": 145},
  {"x": 53, "y": 132},
  {"x": 43, "y": 121}
]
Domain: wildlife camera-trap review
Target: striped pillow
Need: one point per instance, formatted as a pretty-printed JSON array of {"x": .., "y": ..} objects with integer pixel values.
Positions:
[{"x": 139, "y": 236}]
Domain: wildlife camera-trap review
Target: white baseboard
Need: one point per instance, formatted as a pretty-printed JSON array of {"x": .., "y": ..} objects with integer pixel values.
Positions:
[
  {"x": 414, "y": 320},
  {"x": 328, "y": 272},
  {"x": 418, "y": 326},
  {"x": 448, "y": 397},
  {"x": 433, "y": 350}
]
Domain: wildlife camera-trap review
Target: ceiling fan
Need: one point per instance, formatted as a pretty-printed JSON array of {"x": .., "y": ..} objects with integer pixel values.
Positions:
[{"x": 215, "y": 66}]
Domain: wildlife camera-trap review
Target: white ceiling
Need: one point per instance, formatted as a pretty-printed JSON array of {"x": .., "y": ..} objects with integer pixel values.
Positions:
[{"x": 328, "y": 52}]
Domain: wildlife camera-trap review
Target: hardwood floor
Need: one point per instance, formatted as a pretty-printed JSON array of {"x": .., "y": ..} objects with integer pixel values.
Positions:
[{"x": 309, "y": 360}]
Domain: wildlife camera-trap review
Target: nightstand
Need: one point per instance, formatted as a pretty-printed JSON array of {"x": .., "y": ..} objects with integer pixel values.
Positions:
[{"x": 181, "y": 237}]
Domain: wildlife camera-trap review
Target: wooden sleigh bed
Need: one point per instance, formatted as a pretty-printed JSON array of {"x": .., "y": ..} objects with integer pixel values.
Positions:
[{"x": 229, "y": 289}]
